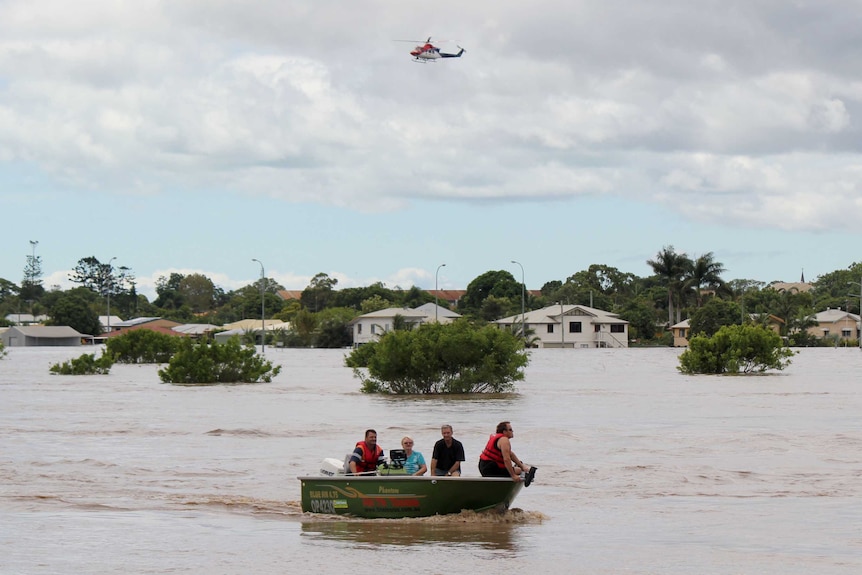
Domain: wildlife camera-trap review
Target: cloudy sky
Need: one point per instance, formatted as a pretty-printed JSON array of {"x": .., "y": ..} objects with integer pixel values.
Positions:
[{"x": 195, "y": 135}]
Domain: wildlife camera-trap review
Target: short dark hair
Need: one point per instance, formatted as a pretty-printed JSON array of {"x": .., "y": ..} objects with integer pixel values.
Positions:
[
  {"x": 367, "y": 431},
  {"x": 501, "y": 427}
]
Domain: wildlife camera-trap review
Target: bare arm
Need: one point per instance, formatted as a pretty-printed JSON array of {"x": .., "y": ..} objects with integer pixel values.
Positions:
[
  {"x": 506, "y": 447},
  {"x": 422, "y": 469}
]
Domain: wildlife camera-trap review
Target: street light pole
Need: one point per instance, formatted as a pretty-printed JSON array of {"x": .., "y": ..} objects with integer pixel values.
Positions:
[
  {"x": 262, "y": 316},
  {"x": 110, "y": 286},
  {"x": 437, "y": 273},
  {"x": 523, "y": 317}
]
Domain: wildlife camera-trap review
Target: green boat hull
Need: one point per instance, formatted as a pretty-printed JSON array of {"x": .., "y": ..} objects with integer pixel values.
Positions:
[{"x": 398, "y": 496}]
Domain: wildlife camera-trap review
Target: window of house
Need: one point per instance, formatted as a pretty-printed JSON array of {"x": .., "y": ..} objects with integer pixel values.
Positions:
[
  {"x": 550, "y": 328},
  {"x": 597, "y": 328},
  {"x": 845, "y": 333},
  {"x": 373, "y": 328},
  {"x": 575, "y": 327},
  {"x": 358, "y": 328},
  {"x": 682, "y": 333},
  {"x": 619, "y": 328}
]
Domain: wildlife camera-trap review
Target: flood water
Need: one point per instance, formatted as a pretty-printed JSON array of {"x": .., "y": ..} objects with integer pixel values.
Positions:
[{"x": 641, "y": 470}]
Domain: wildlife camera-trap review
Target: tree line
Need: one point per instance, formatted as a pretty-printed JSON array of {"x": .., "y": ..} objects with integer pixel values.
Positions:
[{"x": 680, "y": 287}]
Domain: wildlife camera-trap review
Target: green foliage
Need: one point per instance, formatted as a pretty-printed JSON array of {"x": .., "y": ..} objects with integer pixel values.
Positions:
[
  {"x": 86, "y": 364},
  {"x": 73, "y": 310},
  {"x": 374, "y": 303},
  {"x": 642, "y": 318},
  {"x": 735, "y": 349},
  {"x": 441, "y": 358},
  {"x": 500, "y": 284},
  {"x": 333, "y": 330},
  {"x": 143, "y": 346},
  {"x": 2, "y": 350},
  {"x": 715, "y": 314},
  {"x": 211, "y": 363}
]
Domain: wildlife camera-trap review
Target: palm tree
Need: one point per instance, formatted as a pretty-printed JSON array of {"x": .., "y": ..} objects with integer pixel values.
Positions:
[
  {"x": 670, "y": 267},
  {"x": 705, "y": 271}
]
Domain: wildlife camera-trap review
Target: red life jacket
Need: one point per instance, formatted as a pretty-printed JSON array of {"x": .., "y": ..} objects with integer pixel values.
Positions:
[
  {"x": 492, "y": 452},
  {"x": 369, "y": 460}
]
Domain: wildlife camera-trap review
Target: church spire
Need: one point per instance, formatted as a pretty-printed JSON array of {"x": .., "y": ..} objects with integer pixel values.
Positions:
[{"x": 803, "y": 276}]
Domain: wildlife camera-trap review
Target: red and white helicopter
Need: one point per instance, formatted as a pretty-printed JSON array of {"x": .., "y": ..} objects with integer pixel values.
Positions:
[{"x": 428, "y": 52}]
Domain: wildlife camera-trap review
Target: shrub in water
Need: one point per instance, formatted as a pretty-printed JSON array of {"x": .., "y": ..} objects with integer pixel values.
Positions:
[
  {"x": 210, "y": 362},
  {"x": 441, "y": 358},
  {"x": 87, "y": 364},
  {"x": 735, "y": 349},
  {"x": 143, "y": 346}
]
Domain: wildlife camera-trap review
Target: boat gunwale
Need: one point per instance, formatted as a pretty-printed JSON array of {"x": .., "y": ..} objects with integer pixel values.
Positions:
[{"x": 403, "y": 478}]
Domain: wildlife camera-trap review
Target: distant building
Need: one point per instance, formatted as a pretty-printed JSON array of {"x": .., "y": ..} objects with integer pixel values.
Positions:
[
  {"x": 41, "y": 335},
  {"x": 370, "y": 326},
  {"x": 26, "y": 319},
  {"x": 835, "y": 323},
  {"x": 290, "y": 294},
  {"x": 112, "y": 321},
  {"x": 792, "y": 287},
  {"x": 571, "y": 326},
  {"x": 158, "y": 324}
]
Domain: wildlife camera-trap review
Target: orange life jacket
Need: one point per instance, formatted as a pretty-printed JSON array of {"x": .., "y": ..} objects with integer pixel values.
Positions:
[
  {"x": 492, "y": 452},
  {"x": 369, "y": 460}
]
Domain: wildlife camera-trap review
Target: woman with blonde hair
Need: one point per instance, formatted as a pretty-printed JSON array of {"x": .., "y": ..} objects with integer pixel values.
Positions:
[{"x": 415, "y": 463}]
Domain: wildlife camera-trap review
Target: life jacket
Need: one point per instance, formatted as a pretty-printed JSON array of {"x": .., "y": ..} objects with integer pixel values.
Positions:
[
  {"x": 369, "y": 460},
  {"x": 492, "y": 452}
]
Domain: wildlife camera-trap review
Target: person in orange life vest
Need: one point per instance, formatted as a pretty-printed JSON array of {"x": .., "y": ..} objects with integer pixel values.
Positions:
[
  {"x": 498, "y": 459},
  {"x": 367, "y": 454}
]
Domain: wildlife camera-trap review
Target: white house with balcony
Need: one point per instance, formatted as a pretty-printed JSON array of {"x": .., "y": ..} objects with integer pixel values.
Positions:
[{"x": 571, "y": 326}]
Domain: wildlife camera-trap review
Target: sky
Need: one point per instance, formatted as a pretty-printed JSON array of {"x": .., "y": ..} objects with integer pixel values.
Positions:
[{"x": 194, "y": 136}]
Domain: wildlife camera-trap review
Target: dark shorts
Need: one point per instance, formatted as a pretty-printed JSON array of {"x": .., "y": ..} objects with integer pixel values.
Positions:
[{"x": 490, "y": 469}]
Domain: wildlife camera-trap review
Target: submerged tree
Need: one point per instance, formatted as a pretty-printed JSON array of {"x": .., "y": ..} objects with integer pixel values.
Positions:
[
  {"x": 441, "y": 358},
  {"x": 211, "y": 363},
  {"x": 735, "y": 349}
]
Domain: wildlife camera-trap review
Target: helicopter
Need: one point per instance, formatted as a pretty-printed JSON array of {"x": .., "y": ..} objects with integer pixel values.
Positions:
[{"x": 428, "y": 52}]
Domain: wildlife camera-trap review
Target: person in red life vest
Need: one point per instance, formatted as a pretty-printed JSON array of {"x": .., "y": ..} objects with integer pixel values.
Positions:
[
  {"x": 367, "y": 455},
  {"x": 498, "y": 459}
]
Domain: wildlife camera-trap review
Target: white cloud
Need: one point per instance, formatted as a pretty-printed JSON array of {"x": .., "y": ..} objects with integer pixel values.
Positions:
[{"x": 309, "y": 103}]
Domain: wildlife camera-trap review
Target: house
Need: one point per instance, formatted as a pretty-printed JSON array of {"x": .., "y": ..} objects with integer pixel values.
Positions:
[
  {"x": 450, "y": 296},
  {"x": 680, "y": 333},
  {"x": 42, "y": 335},
  {"x": 242, "y": 327},
  {"x": 792, "y": 287},
  {"x": 195, "y": 330},
  {"x": 438, "y": 313},
  {"x": 109, "y": 323},
  {"x": 368, "y": 327},
  {"x": 151, "y": 323},
  {"x": 26, "y": 319},
  {"x": 575, "y": 326},
  {"x": 290, "y": 294},
  {"x": 835, "y": 323}
]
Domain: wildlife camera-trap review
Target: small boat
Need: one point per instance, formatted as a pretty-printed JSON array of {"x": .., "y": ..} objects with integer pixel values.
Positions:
[{"x": 393, "y": 494}]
